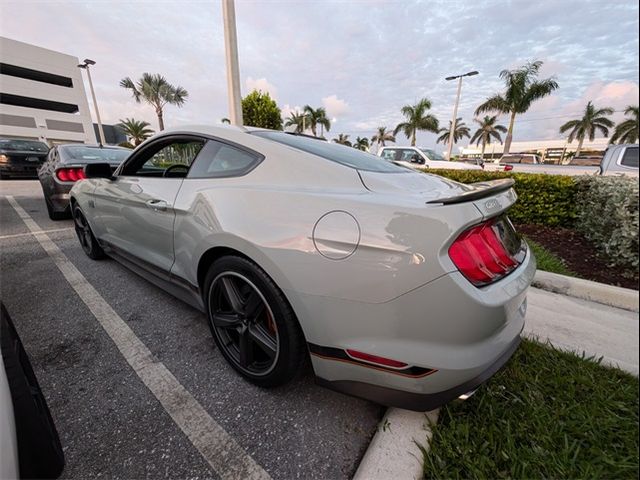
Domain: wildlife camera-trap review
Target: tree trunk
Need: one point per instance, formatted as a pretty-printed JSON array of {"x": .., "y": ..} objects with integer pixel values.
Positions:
[
  {"x": 579, "y": 147},
  {"x": 507, "y": 141},
  {"x": 160, "y": 118},
  {"x": 484, "y": 145},
  {"x": 413, "y": 139}
]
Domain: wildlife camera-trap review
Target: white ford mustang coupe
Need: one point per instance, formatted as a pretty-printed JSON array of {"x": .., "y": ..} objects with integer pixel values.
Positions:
[{"x": 401, "y": 287}]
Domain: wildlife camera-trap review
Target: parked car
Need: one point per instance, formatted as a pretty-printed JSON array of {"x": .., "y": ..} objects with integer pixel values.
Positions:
[
  {"x": 415, "y": 157},
  {"x": 21, "y": 158},
  {"x": 29, "y": 442},
  {"x": 472, "y": 161},
  {"x": 405, "y": 288},
  {"x": 64, "y": 166},
  {"x": 617, "y": 160},
  {"x": 590, "y": 161}
]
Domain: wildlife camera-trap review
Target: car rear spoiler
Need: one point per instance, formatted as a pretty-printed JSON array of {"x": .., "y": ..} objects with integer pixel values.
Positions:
[{"x": 479, "y": 190}]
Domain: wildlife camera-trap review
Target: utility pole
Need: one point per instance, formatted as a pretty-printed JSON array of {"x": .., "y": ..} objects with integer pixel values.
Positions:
[
  {"x": 85, "y": 66},
  {"x": 455, "y": 109},
  {"x": 233, "y": 69}
]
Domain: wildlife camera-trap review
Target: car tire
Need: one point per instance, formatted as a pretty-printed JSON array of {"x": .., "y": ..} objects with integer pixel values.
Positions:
[
  {"x": 87, "y": 240},
  {"x": 54, "y": 215},
  {"x": 255, "y": 333}
]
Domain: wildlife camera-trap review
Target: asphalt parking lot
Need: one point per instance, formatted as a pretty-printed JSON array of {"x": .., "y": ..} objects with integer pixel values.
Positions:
[{"x": 110, "y": 423}]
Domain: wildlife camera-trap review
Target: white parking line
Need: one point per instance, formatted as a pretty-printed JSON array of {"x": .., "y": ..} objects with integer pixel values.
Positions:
[
  {"x": 219, "y": 449},
  {"x": 53, "y": 230}
]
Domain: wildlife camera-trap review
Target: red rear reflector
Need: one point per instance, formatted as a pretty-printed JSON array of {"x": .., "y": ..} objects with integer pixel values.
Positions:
[
  {"x": 480, "y": 255},
  {"x": 508, "y": 168},
  {"x": 387, "y": 362},
  {"x": 70, "y": 174}
]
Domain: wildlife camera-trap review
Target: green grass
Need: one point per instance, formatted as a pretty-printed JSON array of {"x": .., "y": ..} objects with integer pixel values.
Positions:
[
  {"x": 547, "y": 414},
  {"x": 547, "y": 261}
]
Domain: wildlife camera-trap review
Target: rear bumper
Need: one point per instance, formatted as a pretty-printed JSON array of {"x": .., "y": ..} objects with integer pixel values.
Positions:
[{"x": 419, "y": 402}]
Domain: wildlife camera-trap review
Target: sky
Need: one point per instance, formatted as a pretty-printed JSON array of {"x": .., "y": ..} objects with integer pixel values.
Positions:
[{"x": 361, "y": 60}]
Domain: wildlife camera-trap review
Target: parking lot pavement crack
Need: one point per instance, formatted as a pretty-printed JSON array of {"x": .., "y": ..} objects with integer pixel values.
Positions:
[{"x": 225, "y": 456}]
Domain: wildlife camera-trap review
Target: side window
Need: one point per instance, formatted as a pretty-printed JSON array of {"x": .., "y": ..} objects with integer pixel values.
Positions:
[
  {"x": 389, "y": 154},
  {"x": 166, "y": 159},
  {"x": 630, "y": 157},
  {"x": 218, "y": 159},
  {"x": 406, "y": 155},
  {"x": 527, "y": 159}
]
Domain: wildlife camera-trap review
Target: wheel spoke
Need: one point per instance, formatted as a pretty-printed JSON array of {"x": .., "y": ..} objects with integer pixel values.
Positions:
[
  {"x": 245, "y": 347},
  {"x": 263, "y": 340},
  {"x": 226, "y": 320},
  {"x": 232, "y": 294},
  {"x": 253, "y": 306}
]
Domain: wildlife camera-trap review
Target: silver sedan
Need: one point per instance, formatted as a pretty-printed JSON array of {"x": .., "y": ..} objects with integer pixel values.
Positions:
[{"x": 401, "y": 287}]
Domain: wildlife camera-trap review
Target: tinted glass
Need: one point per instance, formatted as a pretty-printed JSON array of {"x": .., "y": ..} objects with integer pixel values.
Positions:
[
  {"x": 334, "y": 152},
  {"x": 528, "y": 159},
  {"x": 389, "y": 154},
  {"x": 23, "y": 145},
  {"x": 83, "y": 154},
  {"x": 181, "y": 153},
  {"x": 630, "y": 157},
  {"x": 510, "y": 159},
  {"x": 433, "y": 155},
  {"x": 221, "y": 160}
]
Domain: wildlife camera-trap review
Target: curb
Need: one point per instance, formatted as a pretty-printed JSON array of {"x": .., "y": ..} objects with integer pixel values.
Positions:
[
  {"x": 395, "y": 449},
  {"x": 619, "y": 297}
]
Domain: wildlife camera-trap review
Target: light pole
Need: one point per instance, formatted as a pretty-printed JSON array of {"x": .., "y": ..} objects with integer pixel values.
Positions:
[
  {"x": 455, "y": 108},
  {"x": 85, "y": 66},
  {"x": 233, "y": 70}
]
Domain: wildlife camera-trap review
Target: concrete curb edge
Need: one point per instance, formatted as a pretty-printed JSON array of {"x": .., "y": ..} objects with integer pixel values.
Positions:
[
  {"x": 393, "y": 451},
  {"x": 619, "y": 297}
]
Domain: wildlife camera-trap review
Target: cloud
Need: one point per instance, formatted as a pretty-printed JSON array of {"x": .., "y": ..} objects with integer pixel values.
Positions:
[
  {"x": 262, "y": 85},
  {"x": 335, "y": 107}
]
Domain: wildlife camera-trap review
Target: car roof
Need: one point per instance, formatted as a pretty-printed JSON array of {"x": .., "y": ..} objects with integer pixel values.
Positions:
[{"x": 88, "y": 145}]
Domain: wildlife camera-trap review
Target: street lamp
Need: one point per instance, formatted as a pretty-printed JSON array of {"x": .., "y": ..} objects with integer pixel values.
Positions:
[
  {"x": 233, "y": 69},
  {"x": 455, "y": 109},
  {"x": 85, "y": 66}
]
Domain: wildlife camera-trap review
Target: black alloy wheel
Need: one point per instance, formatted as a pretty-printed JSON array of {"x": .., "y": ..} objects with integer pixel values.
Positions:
[
  {"x": 87, "y": 241},
  {"x": 253, "y": 325}
]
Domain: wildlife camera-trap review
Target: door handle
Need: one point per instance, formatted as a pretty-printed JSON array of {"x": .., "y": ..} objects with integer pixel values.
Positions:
[{"x": 158, "y": 205}]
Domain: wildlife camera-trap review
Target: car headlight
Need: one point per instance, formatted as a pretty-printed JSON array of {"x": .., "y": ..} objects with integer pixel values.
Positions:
[{"x": 3, "y": 158}]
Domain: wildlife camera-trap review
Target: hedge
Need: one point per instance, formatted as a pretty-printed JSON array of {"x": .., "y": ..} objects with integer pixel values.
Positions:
[
  {"x": 607, "y": 214},
  {"x": 603, "y": 209},
  {"x": 542, "y": 199}
]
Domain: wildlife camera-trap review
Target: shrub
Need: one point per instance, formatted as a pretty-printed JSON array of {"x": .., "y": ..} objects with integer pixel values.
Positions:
[
  {"x": 542, "y": 199},
  {"x": 260, "y": 110},
  {"x": 607, "y": 214}
]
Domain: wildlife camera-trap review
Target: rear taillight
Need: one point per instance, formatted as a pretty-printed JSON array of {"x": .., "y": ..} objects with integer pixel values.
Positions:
[
  {"x": 508, "y": 168},
  {"x": 367, "y": 357},
  {"x": 481, "y": 255},
  {"x": 70, "y": 174}
]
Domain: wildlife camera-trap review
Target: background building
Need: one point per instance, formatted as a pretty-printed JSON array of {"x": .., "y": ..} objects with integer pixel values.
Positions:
[{"x": 42, "y": 95}]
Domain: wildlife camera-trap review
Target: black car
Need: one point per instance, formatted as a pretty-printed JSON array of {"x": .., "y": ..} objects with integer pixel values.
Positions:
[
  {"x": 21, "y": 158},
  {"x": 65, "y": 166}
]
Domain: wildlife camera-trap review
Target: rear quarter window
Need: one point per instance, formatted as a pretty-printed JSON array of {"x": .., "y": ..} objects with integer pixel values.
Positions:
[{"x": 630, "y": 157}]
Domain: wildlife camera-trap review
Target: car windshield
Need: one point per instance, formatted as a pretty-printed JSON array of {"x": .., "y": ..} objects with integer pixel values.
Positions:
[
  {"x": 432, "y": 154},
  {"x": 342, "y": 154},
  {"x": 82, "y": 153},
  {"x": 23, "y": 145}
]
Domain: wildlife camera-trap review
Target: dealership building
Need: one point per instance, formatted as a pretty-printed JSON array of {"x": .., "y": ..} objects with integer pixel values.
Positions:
[{"x": 42, "y": 95}]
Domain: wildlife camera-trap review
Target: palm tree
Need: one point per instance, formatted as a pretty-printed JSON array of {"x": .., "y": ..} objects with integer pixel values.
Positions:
[
  {"x": 522, "y": 89},
  {"x": 486, "y": 131},
  {"x": 417, "y": 118},
  {"x": 157, "y": 92},
  {"x": 594, "y": 119},
  {"x": 627, "y": 130},
  {"x": 297, "y": 119},
  {"x": 315, "y": 117},
  {"x": 459, "y": 133},
  {"x": 382, "y": 136},
  {"x": 342, "y": 139},
  {"x": 136, "y": 131},
  {"x": 361, "y": 143}
]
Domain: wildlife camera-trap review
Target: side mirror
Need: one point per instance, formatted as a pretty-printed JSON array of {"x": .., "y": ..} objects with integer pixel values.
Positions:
[
  {"x": 415, "y": 158},
  {"x": 98, "y": 170}
]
